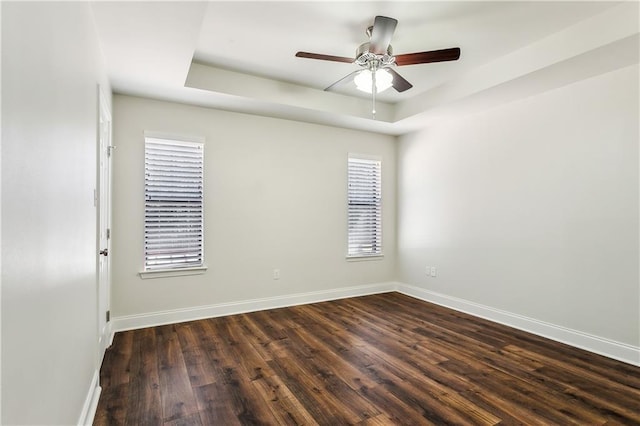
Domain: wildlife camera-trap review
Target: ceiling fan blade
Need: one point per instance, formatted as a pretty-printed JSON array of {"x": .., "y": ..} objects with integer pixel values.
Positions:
[
  {"x": 343, "y": 80},
  {"x": 324, "y": 57},
  {"x": 399, "y": 83},
  {"x": 383, "y": 29},
  {"x": 443, "y": 55}
]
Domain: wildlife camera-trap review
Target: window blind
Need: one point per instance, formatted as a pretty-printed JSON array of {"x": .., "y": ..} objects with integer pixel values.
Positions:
[
  {"x": 173, "y": 221},
  {"x": 365, "y": 207}
]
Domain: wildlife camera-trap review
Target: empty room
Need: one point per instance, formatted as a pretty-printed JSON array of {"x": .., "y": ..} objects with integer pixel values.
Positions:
[{"x": 320, "y": 213}]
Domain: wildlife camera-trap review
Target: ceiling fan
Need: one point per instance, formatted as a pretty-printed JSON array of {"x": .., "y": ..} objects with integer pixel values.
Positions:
[{"x": 376, "y": 59}]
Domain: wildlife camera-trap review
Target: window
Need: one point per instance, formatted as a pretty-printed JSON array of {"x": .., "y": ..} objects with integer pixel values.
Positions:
[
  {"x": 365, "y": 206},
  {"x": 173, "y": 221}
]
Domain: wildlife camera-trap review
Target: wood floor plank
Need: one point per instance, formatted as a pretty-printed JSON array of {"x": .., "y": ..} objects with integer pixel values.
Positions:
[
  {"x": 285, "y": 407},
  {"x": 254, "y": 335},
  {"x": 195, "y": 356},
  {"x": 144, "y": 401},
  {"x": 113, "y": 405},
  {"x": 385, "y": 359},
  {"x": 243, "y": 366},
  {"x": 571, "y": 371},
  {"x": 425, "y": 401},
  {"x": 117, "y": 359},
  {"x": 192, "y": 420},
  {"x": 178, "y": 400},
  {"x": 311, "y": 391},
  {"x": 396, "y": 411},
  {"x": 344, "y": 368},
  {"x": 214, "y": 405},
  {"x": 444, "y": 393},
  {"x": 209, "y": 346},
  {"x": 245, "y": 400},
  {"x": 248, "y": 359}
]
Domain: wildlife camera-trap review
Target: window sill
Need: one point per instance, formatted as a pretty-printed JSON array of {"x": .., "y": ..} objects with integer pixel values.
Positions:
[
  {"x": 365, "y": 258},
  {"x": 166, "y": 273}
]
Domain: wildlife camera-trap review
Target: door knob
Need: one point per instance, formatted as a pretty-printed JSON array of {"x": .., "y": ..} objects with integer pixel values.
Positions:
[{"x": 104, "y": 252}]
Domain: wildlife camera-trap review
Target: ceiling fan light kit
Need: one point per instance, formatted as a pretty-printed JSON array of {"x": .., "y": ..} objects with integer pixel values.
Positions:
[
  {"x": 377, "y": 59},
  {"x": 364, "y": 81}
]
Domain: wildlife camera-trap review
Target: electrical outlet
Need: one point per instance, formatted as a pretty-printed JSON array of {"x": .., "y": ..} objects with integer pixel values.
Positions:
[
  {"x": 276, "y": 274},
  {"x": 433, "y": 271}
]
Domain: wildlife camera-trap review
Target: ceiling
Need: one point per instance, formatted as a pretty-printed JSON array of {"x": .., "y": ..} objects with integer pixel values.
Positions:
[{"x": 239, "y": 56}]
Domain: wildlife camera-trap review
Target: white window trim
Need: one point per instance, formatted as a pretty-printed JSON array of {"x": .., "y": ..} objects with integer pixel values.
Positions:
[
  {"x": 173, "y": 137},
  {"x": 358, "y": 257},
  {"x": 361, "y": 258},
  {"x": 166, "y": 273}
]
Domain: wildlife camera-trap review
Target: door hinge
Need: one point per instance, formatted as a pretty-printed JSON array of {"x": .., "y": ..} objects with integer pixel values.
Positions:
[
  {"x": 108, "y": 316},
  {"x": 108, "y": 233}
]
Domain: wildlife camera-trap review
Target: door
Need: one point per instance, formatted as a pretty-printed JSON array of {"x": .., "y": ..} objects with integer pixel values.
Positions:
[{"x": 104, "y": 223}]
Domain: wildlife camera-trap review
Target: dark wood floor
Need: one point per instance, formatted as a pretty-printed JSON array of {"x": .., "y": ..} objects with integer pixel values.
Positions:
[{"x": 373, "y": 360}]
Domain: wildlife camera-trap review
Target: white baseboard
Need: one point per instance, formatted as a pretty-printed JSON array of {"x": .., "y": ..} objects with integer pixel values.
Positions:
[
  {"x": 105, "y": 340},
  {"x": 152, "y": 319},
  {"x": 609, "y": 348},
  {"x": 91, "y": 401}
]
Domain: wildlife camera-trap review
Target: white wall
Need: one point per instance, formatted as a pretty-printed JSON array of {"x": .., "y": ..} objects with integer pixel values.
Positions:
[
  {"x": 532, "y": 207},
  {"x": 275, "y": 197},
  {"x": 50, "y": 73},
  {"x": 0, "y": 216}
]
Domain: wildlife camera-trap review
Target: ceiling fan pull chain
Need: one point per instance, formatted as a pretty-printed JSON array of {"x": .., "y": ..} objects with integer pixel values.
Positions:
[{"x": 373, "y": 91}]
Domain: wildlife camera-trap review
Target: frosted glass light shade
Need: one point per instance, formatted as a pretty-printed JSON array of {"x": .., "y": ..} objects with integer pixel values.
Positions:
[{"x": 383, "y": 81}]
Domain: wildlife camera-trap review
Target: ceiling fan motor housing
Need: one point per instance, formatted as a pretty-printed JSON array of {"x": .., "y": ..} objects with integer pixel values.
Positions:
[{"x": 364, "y": 56}]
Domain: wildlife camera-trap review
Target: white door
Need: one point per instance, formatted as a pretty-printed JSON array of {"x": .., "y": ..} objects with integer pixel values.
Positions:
[{"x": 104, "y": 223}]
